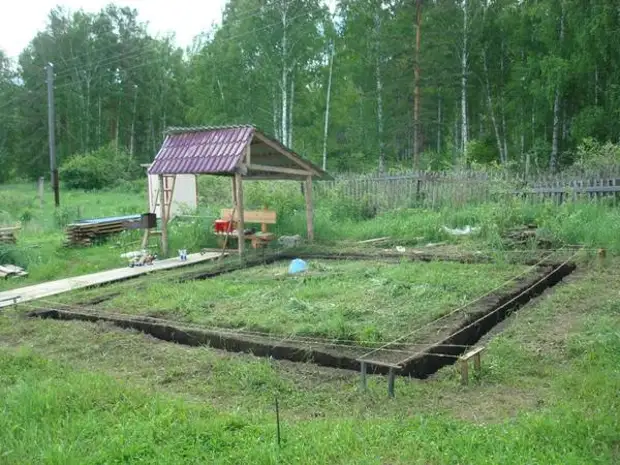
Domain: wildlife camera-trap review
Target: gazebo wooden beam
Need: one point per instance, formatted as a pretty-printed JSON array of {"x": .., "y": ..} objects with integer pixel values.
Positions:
[
  {"x": 166, "y": 193},
  {"x": 238, "y": 183},
  {"x": 274, "y": 177},
  {"x": 309, "y": 209},
  {"x": 162, "y": 215},
  {"x": 278, "y": 169},
  {"x": 278, "y": 149}
]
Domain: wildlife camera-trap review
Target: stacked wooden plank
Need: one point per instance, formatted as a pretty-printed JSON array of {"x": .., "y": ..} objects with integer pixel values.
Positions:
[
  {"x": 7, "y": 271},
  {"x": 7, "y": 234},
  {"x": 85, "y": 232}
]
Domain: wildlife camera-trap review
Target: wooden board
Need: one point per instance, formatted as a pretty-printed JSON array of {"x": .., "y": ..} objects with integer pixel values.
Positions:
[
  {"x": 251, "y": 216},
  {"x": 471, "y": 353},
  {"x": 259, "y": 236},
  {"x": 11, "y": 271},
  {"x": 38, "y": 291},
  {"x": 84, "y": 233}
]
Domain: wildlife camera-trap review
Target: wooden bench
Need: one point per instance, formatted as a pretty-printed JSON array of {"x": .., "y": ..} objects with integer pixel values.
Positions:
[
  {"x": 262, "y": 217},
  {"x": 464, "y": 360}
]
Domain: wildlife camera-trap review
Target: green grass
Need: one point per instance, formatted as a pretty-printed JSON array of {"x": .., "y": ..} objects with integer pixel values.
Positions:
[
  {"x": 80, "y": 393},
  {"x": 40, "y": 248},
  {"x": 351, "y": 300},
  {"x": 40, "y": 242},
  {"x": 88, "y": 393}
]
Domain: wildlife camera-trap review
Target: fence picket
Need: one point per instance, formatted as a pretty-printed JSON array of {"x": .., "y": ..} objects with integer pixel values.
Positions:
[{"x": 436, "y": 189}]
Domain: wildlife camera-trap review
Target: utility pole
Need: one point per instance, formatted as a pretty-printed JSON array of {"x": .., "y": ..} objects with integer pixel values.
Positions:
[
  {"x": 416, "y": 95},
  {"x": 329, "y": 91},
  {"x": 52, "y": 132}
]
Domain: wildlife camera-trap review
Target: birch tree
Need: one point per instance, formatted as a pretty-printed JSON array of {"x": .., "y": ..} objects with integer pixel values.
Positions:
[{"x": 464, "y": 78}]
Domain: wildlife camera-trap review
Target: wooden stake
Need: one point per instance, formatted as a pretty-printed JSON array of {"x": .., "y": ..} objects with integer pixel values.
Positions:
[
  {"x": 477, "y": 364},
  {"x": 40, "y": 191},
  {"x": 240, "y": 223},
  {"x": 391, "y": 375},
  {"x": 363, "y": 376},
  {"x": 464, "y": 372},
  {"x": 309, "y": 209}
]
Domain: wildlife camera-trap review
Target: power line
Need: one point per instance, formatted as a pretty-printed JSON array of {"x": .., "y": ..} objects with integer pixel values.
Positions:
[
  {"x": 140, "y": 54},
  {"x": 250, "y": 14}
]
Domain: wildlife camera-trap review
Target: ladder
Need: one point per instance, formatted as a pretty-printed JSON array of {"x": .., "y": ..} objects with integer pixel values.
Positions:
[{"x": 168, "y": 193}]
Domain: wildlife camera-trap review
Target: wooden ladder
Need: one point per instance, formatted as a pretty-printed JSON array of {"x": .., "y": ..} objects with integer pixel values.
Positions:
[{"x": 168, "y": 193}]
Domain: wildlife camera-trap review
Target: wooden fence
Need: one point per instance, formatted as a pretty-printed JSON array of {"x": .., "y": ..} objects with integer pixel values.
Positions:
[{"x": 433, "y": 190}]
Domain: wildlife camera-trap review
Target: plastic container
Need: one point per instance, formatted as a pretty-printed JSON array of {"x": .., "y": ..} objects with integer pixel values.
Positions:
[
  {"x": 222, "y": 226},
  {"x": 297, "y": 266}
]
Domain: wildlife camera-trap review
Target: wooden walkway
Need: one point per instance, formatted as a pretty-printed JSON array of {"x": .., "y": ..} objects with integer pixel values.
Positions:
[{"x": 50, "y": 288}]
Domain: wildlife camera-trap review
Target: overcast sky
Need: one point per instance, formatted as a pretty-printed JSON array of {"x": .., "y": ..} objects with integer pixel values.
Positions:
[{"x": 20, "y": 21}]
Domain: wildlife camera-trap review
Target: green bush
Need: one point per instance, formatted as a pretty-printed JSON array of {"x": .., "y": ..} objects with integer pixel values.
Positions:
[
  {"x": 105, "y": 167},
  {"x": 592, "y": 155},
  {"x": 482, "y": 151}
]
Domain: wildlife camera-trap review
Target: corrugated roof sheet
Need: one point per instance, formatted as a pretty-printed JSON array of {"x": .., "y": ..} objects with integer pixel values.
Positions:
[
  {"x": 216, "y": 150},
  {"x": 202, "y": 150}
]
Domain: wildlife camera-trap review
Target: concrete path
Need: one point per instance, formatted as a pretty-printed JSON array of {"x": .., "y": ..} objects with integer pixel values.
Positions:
[{"x": 50, "y": 288}]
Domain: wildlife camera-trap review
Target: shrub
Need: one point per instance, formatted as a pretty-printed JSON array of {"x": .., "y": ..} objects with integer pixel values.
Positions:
[
  {"x": 482, "y": 151},
  {"x": 592, "y": 155},
  {"x": 104, "y": 167}
]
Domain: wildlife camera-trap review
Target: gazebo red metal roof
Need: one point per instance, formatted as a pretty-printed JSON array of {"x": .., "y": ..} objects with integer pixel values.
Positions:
[{"x": 223, "y": 150}]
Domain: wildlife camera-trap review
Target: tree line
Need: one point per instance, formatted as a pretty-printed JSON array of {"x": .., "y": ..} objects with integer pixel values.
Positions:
[{"x": 374, "y": 86}]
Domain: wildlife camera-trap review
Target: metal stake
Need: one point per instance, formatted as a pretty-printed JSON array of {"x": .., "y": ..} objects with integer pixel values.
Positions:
[
  {"x": 278, "y": 420},
  {"x": 363, "y": 383}
]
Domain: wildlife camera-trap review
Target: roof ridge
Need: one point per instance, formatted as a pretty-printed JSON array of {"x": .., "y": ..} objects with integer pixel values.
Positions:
[{"x": 183, "y": 129}]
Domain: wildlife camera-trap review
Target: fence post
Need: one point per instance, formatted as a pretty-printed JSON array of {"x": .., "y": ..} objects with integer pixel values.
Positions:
[{"x": 40, "y": 190}]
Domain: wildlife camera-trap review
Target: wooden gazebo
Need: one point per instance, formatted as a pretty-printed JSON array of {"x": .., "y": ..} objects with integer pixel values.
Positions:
[{"x": 241, "y": 152}]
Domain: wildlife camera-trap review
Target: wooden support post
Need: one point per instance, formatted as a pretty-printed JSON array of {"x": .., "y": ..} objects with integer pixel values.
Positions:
[
  {"x": 477, "y": 364},
  {"x": 263, "y": 226},
  {"x": 234, "y": 192},
  {"x": 40, "y": 191},
  {"x": 363, "y": 383},
  {"x": 309, "y": 209},
  {"x": 391, "y": 376},
  {"x": 145, "y": 238},
  {"x": 474, "y": 353},
  {"x": 163, "y": 217},
  {"x": 464, "y": 372},
  {"x": 240, "y": 224}
]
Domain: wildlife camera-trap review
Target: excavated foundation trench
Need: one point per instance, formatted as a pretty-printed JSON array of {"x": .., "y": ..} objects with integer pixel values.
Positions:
[{"x": 465, "y": 333}]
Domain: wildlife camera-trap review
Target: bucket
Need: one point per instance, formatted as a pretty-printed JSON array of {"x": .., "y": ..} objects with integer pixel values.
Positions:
[
  {"x": 222, "y": 226},
  {"x": 297, "y": 266}
]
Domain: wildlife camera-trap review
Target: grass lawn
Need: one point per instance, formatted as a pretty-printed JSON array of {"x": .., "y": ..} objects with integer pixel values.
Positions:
[
  {"x": 81, "y": 393},
  {"x": 40, "y": 247},
  {"x": 365, "y": 301},
  {"x": 40, "y": 242}
]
